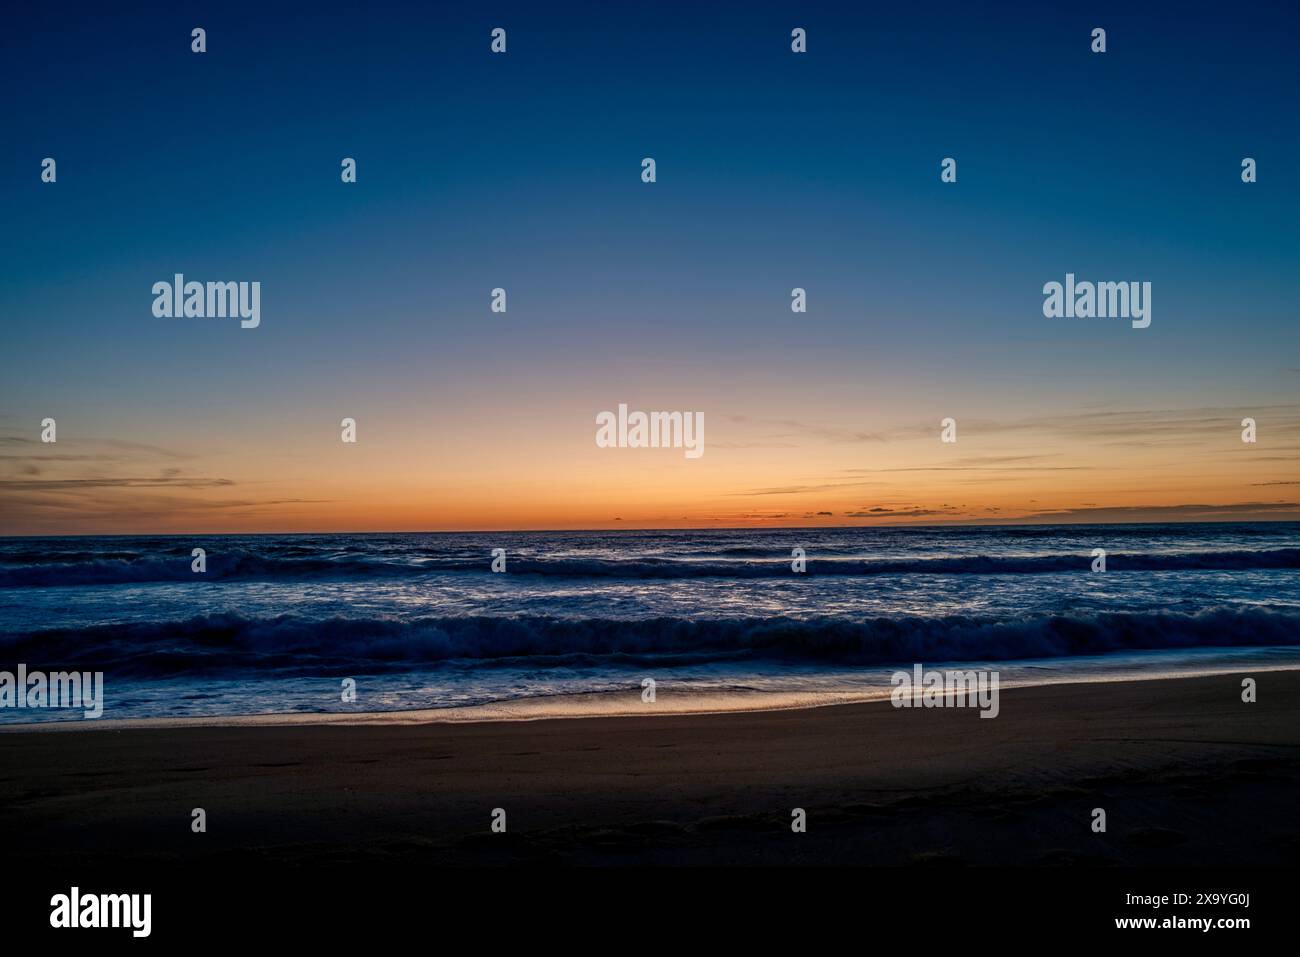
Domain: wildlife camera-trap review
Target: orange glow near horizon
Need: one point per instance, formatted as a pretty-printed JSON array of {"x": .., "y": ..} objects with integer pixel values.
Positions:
[{"x": 1104, "y": 468}]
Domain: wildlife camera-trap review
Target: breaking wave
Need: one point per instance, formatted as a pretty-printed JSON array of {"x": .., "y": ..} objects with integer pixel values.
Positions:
[{"x": 291, "y": 645}]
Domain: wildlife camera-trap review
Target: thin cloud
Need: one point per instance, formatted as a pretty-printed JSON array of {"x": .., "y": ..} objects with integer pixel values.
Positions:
[
  {"x": 57, "y": 485},
  {"x": 1171, "y": 511}
]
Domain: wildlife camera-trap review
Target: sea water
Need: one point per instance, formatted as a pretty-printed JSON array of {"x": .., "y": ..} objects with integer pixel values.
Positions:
[{"x": 276, "y": 622}]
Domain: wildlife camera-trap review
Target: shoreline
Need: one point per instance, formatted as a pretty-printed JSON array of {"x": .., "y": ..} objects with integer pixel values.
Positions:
[{"x": 578, "y": 705}]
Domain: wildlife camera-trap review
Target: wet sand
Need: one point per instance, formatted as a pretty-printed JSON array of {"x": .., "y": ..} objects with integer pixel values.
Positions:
[{"x": 1187, "y": 773}]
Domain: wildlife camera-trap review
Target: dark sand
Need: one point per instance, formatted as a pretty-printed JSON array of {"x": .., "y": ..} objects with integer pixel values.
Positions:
[{"x": 1187, "y": 773}]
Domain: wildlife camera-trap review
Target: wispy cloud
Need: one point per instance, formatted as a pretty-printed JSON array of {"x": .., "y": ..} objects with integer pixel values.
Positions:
[
  {"x": 58, "y": 485},
  {"x": 902, "y": 513},
  {"x": 1140, "y": 427},
  {"x": 1177, "y": 512}
]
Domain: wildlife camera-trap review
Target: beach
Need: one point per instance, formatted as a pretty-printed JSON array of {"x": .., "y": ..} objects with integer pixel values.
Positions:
[
  {"x": 1187, "y": 773},
  {"x": 631, "y": 475}
]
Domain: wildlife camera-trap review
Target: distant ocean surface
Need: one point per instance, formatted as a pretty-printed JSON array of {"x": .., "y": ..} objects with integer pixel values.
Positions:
[{"x": 420, "y": 620}]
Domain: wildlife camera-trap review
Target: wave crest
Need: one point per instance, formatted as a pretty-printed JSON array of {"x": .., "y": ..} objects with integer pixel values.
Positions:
[
  {"x": 230, "y": 643},
  {"x": 245, "y": 565}
]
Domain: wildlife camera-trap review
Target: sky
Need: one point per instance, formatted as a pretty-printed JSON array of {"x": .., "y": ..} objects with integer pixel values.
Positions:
[{"x": 522, "y": 171}]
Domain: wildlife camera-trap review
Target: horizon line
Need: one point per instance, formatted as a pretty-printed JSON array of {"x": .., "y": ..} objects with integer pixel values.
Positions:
[{"x": 720, "y": 528}]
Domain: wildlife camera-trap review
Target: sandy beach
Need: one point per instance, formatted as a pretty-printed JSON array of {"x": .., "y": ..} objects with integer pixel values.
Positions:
[{"x": 1188, "y": 775}]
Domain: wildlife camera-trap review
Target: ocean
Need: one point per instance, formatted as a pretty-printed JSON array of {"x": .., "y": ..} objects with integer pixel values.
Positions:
[{"x": 420, "y": 621}]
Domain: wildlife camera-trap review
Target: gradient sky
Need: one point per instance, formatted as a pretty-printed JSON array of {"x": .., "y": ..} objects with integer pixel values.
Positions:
[{"x": 775, "y": 170}]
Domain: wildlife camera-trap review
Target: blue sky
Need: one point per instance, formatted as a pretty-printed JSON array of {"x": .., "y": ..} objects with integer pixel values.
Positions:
[{"x": 774, "y": 170}]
